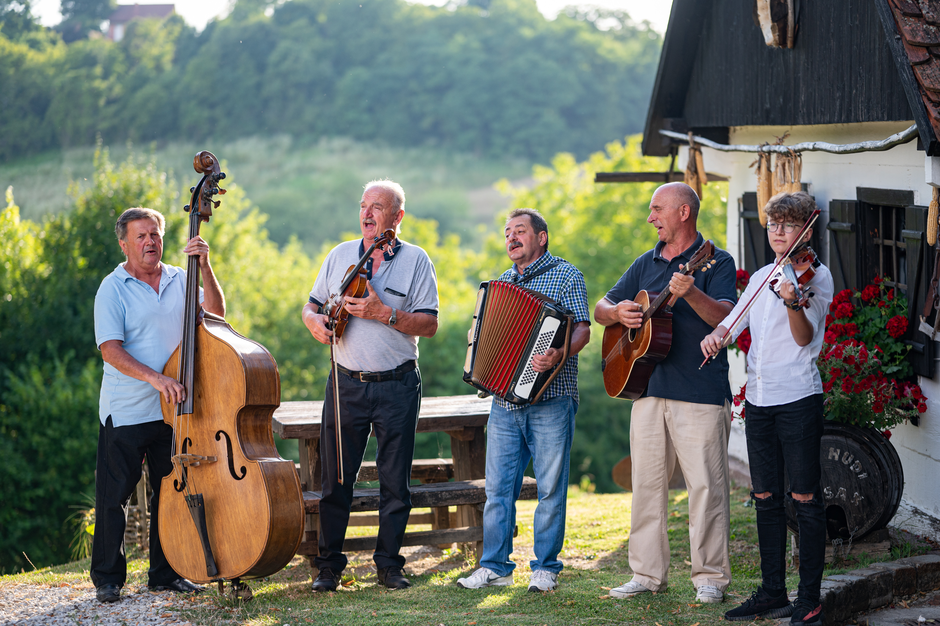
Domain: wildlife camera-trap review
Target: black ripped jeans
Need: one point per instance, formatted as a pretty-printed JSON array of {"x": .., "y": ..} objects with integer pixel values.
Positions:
[{"x": 780, "y": 438}]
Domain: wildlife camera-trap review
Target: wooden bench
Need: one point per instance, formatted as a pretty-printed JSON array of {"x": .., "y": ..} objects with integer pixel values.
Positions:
[{"x": 463, "y": 418}]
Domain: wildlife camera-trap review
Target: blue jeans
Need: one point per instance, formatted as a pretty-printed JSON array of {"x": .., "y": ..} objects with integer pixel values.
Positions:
[
  {"x": 787, "y": 438},
  {"x": 541, "y": 432}
]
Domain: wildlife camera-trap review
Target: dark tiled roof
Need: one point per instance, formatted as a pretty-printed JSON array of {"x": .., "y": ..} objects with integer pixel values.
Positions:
[
  {"x": 918, "y": 24},
  {"x": 126, "y": 12}
]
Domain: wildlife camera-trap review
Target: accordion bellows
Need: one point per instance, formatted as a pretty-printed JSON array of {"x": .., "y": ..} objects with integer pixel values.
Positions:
[{"x": 511, "y": 324}]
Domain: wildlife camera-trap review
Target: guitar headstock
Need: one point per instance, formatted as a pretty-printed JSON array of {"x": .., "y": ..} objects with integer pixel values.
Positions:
[{"x": 703, "y": 258}]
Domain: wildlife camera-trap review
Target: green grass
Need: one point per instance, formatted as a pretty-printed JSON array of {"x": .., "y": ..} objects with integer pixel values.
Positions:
[
  {"x": 595, "y": 557},
  {"x": 308, "y": 189}
]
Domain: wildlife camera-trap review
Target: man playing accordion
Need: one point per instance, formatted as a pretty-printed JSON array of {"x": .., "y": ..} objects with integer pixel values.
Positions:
[{"x": 542, "y": 431}]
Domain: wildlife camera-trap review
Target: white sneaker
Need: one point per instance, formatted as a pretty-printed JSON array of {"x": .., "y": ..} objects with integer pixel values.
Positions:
[
  {"x": 709, "y": 594},
  {"x": 628, "y": 590},
  {"x": 543, "y": 580},
  {"x": 484, "y": 577}
]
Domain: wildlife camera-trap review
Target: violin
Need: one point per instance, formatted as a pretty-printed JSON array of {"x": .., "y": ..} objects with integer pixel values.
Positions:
[
  {"x": 353, "y": 286},
  {"x": 789, "y": 258},
  {"x": 799, "y": 268}
]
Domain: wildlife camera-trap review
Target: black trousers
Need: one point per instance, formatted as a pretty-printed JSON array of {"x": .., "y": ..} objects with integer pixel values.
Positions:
[
  {"x": 787, "y": 438},
  {"x": 121, "y": 453},
  {"x": 391, "y": 407}
]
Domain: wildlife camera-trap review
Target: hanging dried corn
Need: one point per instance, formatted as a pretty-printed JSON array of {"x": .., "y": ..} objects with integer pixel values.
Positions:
[
  {"x": 796, "y": 174},
  {"x": 932, "y": 216},
  {"x": 779, "y": 177},
  {"x": 764, "y": 185},
  {"x": 694, "y": 172}
]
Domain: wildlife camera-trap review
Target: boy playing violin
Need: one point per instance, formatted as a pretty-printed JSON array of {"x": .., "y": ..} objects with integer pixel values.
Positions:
[{"x": 784, "y": 413}]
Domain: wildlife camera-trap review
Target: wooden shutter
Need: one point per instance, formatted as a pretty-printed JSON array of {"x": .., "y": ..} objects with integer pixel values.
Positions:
[
  {"x": 756, "y": 252},
  {"x": 919, "y": 259},
  {"x": 844, "y": 258}
]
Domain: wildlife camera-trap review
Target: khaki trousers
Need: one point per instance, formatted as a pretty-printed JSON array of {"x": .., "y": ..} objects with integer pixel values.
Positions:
[{"x": 696, "y": 435}]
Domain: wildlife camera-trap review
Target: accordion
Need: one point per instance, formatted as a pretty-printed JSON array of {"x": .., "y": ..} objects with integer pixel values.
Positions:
[{"x": 510, "y": 325}]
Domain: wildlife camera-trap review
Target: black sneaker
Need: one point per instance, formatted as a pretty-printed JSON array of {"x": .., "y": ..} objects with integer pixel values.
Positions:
[
  {"x": 806, "y": 612},
  {"x": 761, "y": 604},
  {"x": 327, "y": 580}
]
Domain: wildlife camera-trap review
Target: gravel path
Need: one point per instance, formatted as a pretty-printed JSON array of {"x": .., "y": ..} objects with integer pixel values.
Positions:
[{"x": 38, "y": 605}]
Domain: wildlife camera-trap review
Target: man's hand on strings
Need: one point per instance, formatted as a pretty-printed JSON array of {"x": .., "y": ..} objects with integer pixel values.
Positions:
[
  {"x": 680, "y": 284},
  {"x": 629, "y": 313}
]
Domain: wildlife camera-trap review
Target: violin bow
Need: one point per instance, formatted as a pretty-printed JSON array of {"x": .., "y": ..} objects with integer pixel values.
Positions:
[{"x": 784, "y": 258}]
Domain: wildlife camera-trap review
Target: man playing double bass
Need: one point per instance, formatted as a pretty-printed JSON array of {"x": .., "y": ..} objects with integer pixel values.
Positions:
[
  {"x": 377, "y": 377},
  {"x": 138, "y": 313},
  {"x": 685, "y": 413}
]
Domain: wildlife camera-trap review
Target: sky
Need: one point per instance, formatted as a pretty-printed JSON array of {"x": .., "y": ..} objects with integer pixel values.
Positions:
[{"x": 199, "y": 12}]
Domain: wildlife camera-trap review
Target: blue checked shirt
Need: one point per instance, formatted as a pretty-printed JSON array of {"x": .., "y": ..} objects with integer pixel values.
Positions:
[{"x": 564, "y": 284}]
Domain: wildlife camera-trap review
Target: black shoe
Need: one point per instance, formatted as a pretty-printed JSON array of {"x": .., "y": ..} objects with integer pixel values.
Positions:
[
  {"x": 180, "y": 585},
  {"x": 327, "y": 580},
  {"x": 392, "y": 578},
  {"x": 806, "y": 612},
  {"x": 761, "y": 604},
  {"x": 108, "y": 593}
]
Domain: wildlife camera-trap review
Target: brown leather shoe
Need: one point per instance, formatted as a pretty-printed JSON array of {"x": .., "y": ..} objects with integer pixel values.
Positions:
[{"x": 393, "y": 578}]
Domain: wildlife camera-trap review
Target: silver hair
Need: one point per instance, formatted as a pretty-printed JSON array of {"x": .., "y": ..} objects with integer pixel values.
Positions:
[
  {"x": 391, "y": 187},
  {"x": 134, "y": 214}
]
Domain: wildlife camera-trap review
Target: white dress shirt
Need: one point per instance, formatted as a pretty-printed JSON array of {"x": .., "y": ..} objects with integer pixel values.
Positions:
[{"x": 778, "y": 370}]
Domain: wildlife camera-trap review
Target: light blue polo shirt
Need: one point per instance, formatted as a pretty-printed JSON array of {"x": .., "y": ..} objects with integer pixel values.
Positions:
[{"x": 150, "y": 326}]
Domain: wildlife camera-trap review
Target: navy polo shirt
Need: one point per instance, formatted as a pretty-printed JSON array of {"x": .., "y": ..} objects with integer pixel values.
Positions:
[{"x": 677, "y": 377}]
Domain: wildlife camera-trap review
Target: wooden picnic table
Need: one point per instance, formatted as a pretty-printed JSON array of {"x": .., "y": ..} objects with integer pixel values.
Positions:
[{"x": 462, "y": 417}]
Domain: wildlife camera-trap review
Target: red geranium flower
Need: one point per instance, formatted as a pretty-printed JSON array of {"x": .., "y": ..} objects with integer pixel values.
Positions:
[
  {"x": 843, "y": 296},
  {"x": 744, "y": 340},
  {"x": 897, "y": 326},
  {"x": 878, "y": 407},
  {"x": 844, "y": 310},
  {"x": 869, "y": 293},
  {"x": 742, "y": 279},
  {"x": 886, "y": 434}
]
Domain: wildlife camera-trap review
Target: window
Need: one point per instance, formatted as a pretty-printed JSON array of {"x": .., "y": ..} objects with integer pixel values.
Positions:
[{"x": 882, "y": 233}]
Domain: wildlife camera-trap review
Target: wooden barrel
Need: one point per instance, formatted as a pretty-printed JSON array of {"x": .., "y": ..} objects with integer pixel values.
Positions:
[{"x": 862, "y": 481}]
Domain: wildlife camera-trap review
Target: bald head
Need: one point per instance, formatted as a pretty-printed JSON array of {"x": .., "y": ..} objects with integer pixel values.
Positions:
[{"x": 680, "y": 193}]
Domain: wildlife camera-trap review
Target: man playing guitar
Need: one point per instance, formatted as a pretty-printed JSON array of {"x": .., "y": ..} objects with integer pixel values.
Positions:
[{"x": 685, "y": 413}]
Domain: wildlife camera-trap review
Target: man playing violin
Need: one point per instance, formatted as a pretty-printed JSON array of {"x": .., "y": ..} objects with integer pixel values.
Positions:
[
  {"x": 138, "y": 313},
  {"x": 378, "y": 380},
  {"x": 684, "y": 415},
  {"x": 542, "y": 431},
  {"x": 784, "y": 414}
]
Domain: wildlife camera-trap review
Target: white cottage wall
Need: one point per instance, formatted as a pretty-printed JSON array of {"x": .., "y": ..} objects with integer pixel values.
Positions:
[{"x": 836, "y": 177}]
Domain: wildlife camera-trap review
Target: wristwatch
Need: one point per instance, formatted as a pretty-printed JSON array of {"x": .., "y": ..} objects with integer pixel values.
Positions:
[{"x": 393, "y": 318}]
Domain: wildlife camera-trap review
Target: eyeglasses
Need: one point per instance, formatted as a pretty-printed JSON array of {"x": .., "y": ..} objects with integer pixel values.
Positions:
[{"x": 787, "y": 228}]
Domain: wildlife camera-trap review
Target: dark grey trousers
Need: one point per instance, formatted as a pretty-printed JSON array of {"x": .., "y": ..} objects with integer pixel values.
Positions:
[{"x": 391, "y": 407}]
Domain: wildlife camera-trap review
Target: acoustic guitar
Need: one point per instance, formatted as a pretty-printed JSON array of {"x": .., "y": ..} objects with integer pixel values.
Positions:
[{"x": 630, "y": 354}]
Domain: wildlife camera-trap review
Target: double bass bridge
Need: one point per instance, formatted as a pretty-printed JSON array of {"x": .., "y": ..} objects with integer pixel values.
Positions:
[{"x": 192, "y": 460}]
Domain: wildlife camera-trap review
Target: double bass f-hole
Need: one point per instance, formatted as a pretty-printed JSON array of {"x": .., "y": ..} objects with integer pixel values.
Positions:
[
  {"x": 229, "y": 455},
  {"x": 180, "y": 484}
]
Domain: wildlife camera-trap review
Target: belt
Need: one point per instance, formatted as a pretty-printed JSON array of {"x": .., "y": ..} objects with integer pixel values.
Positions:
[{"x": 377, "y": 377}]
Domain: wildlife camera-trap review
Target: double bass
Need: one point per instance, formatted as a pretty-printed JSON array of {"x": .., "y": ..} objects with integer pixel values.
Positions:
[{"x": 232, "y": 509}]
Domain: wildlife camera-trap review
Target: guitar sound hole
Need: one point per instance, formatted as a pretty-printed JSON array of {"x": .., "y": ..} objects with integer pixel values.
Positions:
[{"x": 632, "y": 335}]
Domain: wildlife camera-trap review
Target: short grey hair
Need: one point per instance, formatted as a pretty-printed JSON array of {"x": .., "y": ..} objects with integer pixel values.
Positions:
[
  {"x": 134, "y": 214},
  {"x": 390, "y": 187},
  {"x": 539, "y": 225},
  {"x": 685, "y": 195}
]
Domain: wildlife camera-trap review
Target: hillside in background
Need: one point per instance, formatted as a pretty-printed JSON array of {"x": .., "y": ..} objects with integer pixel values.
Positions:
[
  {"x": 308, "y": 190},
  {"x": 497, "y": 82}
]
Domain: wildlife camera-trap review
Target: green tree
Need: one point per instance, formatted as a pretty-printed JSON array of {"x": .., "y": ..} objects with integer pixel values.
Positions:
[{"x": 16, "y": 19}]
